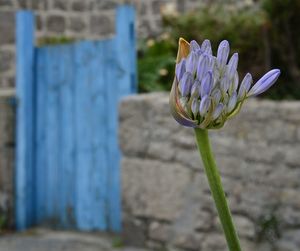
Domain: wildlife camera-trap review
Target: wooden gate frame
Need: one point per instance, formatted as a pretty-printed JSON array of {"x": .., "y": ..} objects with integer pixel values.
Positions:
[{"x": 25, "y": 88}]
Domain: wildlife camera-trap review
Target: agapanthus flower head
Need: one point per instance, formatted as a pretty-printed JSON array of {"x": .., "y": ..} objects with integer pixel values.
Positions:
[{"x": 206, "y": 90}]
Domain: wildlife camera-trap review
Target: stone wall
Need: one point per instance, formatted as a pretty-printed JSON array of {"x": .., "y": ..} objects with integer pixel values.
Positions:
[
  {"x": 166, "y": 199},
  {"x": 7, "y": 146},
  {"x": 78, "y": 19}
]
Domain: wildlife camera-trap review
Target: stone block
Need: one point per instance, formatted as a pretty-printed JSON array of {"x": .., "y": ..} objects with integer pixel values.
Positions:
[
  {"x": 7, "y": 27},
  {"x": 60, "y": 4},
  {"x": 159, "y": 231},
  {"x": 101, "y": 25},
  {"x": 23, "y": 4},
  {"x": 79, "y": 6},
  {"x": 39, "y": 4},
  {"x": 7, "y": 60},
  {"x": 76, "y": 24},
  {"x": 6, "y": 3},
  {"x": 245, "y": 227},
  {"x": 56, "y": 23},
  {"x": 160, "y": 194},
  {"x": 214, "y": 242},
  {"x": 134, "y": 232}
]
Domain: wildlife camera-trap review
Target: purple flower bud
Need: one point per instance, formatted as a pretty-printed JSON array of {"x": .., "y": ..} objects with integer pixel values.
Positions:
[
  {"x": 196, "y": 89},
  {"x": 195, "y": 106},
  {"x": 245, "y": 86},
  {"x": 191, "y": 62},
  {"x": 206, "y": 90},
  {"x": 206, "y": 47},
  {"x": 232, "y": 65},
  {"x": 185, "y": 84},
  {"x": 232, "y": 102},
  {"x": 217, "y": 112},
  {"x": 206, "y": 84},
  {"x": 194, "y": 46},
  {"x": 264, "y": 83},
  {"x": 223, "y": 52},
  {"x": 224, "y": 84},
  {"x": 180, "y": 69},
  {"x": 204, "y": 105},
  {"x": 202, "y": 66},
  {"x": 216, "y": 96}
]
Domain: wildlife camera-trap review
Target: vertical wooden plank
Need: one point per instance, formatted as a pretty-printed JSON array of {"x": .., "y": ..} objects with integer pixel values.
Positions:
[
  {"x": 66, "y": 128},
  {"x": 126, "y": 49},
  {"x": 53, "y": 137},
  {"x": 84, "y": 54},
  {"x": 41, "y": 133},
  {"x": 112, "y": 98},
  {"x": 24, "y": 92},
  {"x": 100, "y": 113}
]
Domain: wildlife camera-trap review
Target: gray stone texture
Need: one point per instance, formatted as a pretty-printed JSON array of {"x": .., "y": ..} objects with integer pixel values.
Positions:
[
  {"x": 56, "y": 23},
  {"x": 46, "y": 240},
  {"x": 164, "y": 185},
  {"x": 7, "y": 143}
]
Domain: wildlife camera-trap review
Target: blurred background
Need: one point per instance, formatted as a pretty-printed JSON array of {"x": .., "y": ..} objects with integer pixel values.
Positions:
[{"x": 165, "y": 202}]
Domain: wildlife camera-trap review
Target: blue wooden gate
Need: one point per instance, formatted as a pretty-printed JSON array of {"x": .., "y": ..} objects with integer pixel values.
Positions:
[{"x": 67, "y": 159}]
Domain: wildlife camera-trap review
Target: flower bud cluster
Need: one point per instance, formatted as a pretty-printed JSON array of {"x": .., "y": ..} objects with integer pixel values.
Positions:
[{"x": 206, "y": 90}]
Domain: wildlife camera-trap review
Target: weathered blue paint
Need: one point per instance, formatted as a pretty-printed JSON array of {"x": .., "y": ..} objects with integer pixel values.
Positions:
[
  {"x": 24, "y": 153},
  {"x": 68, "y": 159},
  {"x": 126, "y": 49}
]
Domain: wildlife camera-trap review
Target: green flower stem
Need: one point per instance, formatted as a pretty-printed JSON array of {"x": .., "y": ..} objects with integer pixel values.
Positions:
[{"x": 216, "y": 188}]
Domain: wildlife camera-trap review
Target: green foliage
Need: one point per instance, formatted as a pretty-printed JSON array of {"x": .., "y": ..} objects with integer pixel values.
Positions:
[
  {"x": 54, "y": 40},
  {"x": 284, "y": 36},
  {"x": 265, "y": 36},
  {"x": 117, "y": 242},
  {"x": 156, "y": 65},
  {"x": 3, "y": 221}
]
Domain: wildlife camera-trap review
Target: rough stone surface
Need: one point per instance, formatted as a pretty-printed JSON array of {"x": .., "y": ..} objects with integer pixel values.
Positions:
[
  {"x": 164, "y": 184},
  {"x": 56, "y": 24},
  {"x": 45, "y": 240},
  {"x": 101, "y": 25},
  {"x": 7, "y": 27},
  {"x": 7, "y": 132}
]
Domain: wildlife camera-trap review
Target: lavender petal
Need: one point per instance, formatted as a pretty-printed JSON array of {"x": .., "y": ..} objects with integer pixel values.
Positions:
[
  {"x": 180, "y": 69},
  {"x": 232, "y": 65},
  {"x": 185, "y": 84},
  {"x": 264, "y": 83},
  {"x": 195, "y": 106},
  {"x": 216, "y": 96},
  {"x": 234, "y": 84},
  {"x": 206, "y": 47},
  {"x": 245, "y": 86},
  {"x": 191, "y": 62},
  {"x": 232, "y": 102},
  {"x": 224, "y": 84},
  {"x": 223, "y": 53},
  {"x": 217, "y": 112},
  {"x": 195, "y": 91},
  {"x": 202, "y": 66},
  {"x": 194, "y": 46},
  {"x": 206, "y": 84},
  {"x": 204, "y": 105}
]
